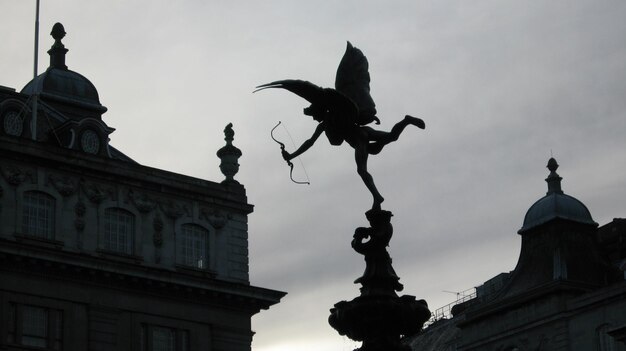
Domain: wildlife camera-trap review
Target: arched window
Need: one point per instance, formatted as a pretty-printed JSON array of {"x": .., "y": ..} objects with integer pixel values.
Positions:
[
  {"x": 192, "y": 246},
  {"x": 119, "y": 230},
  {"x": 38, "y": 215}
]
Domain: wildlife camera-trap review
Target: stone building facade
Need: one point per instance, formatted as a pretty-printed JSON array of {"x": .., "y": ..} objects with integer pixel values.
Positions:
[
  {"x": 98, "y": 252},
  {"x": 567, "y": 292}
]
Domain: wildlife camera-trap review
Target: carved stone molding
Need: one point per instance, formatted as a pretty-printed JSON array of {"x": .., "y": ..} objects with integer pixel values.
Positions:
[
  {"x": 80, "y": 208},
  {"x": 214, "y": 216},
  {"x": 16, "y": 176},
  {"x": 157, "y": 238},
  {"x": 173, "y": 210},
  {"x": 66, "y": 186},
  {"x": 128, "y": 282},
  {"x": 96, "y": 193},
  {"x": 141, "y": 201},
  {"x": 79, "y": 223}
]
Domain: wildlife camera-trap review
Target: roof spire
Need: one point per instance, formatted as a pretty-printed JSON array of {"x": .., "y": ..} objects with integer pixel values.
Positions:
[
  {"x": 57, "y": 51},
  {"x": 553, "y": 180}
]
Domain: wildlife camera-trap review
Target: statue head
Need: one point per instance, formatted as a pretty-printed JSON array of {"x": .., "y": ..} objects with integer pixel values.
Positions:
[
  {"x": 316, "y": 111},
  {"x": 378, "y": 218}
]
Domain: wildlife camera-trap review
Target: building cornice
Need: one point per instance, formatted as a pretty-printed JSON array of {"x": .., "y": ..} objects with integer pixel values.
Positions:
[{"x": 87, "y": 268}]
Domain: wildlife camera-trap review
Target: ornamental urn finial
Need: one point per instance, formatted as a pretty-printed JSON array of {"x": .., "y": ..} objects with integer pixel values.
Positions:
[
  {"x": 553, "y": 180},
  {"x": 229, "y": 156},
  {"x": 57, "y": 51}
]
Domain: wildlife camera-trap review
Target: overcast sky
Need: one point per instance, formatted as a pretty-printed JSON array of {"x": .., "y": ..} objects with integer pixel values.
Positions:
[{"x": 500, "y": 84}]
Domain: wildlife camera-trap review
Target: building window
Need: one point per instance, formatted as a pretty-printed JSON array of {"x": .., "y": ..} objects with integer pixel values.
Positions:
[
  {"x": 35, "y": 326},
  {"x": 158, "y": 338},
  {"x": 119, "y": 230},
  {"x": 193, "y": 246},
  {"x": 605, "y": 341},
  {"x": 38, "y": 215}
]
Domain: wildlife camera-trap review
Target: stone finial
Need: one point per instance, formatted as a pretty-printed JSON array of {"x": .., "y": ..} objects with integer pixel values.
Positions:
[
  {"x": 58, "y": 33},
  {"x": 57, "y": 51},
  {"x": 553, "y": 180},
  {"x": 229, "y": 155},
  {"x": 229, "y": 133}
]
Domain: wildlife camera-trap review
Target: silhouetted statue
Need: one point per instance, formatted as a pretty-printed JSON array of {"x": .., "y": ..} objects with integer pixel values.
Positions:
[
  {"x": 378, "y": 317},
  {"x": 379, "y": 276},
  {"x": 344, "y": 112}
]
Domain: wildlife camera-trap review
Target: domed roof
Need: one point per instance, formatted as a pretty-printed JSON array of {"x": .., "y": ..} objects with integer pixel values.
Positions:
[
  {"x": 63, "y": 83},
  {"x": 59, "y": 83},
  {"x": 555, "y": 204}
]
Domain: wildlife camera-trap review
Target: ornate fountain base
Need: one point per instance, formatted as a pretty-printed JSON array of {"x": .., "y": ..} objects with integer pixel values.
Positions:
[
  {"x": 378, "y": 317},
  {"x": 379, "y": 321}
]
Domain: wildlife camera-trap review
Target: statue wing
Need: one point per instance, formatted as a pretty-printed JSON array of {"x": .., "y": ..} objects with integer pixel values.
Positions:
[
  {"x": 306, "y": 90},
  {"x": 338, "y": 104},
  {"x": 353, "y": 80}
]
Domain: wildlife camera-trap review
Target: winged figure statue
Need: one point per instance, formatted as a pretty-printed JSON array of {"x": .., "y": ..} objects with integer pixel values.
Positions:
[{"x": 343, "y": 114}]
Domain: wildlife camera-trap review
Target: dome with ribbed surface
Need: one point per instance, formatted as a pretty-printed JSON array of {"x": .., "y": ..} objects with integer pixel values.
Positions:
[
  {"x": 60, "y": 83},
  {"x": 555, "y": 204},
  {"x": 63, "y": 83}
]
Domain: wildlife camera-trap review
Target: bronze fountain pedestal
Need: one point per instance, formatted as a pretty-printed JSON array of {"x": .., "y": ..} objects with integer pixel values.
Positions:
[{"x": 378, "y": 317}]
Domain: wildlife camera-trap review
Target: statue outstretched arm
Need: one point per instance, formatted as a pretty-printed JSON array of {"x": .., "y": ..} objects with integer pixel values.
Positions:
[{"x": 305, "y": 145}]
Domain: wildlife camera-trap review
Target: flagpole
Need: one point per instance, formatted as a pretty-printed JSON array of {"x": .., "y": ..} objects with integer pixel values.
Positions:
[{"x": 33, "y": 126}]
